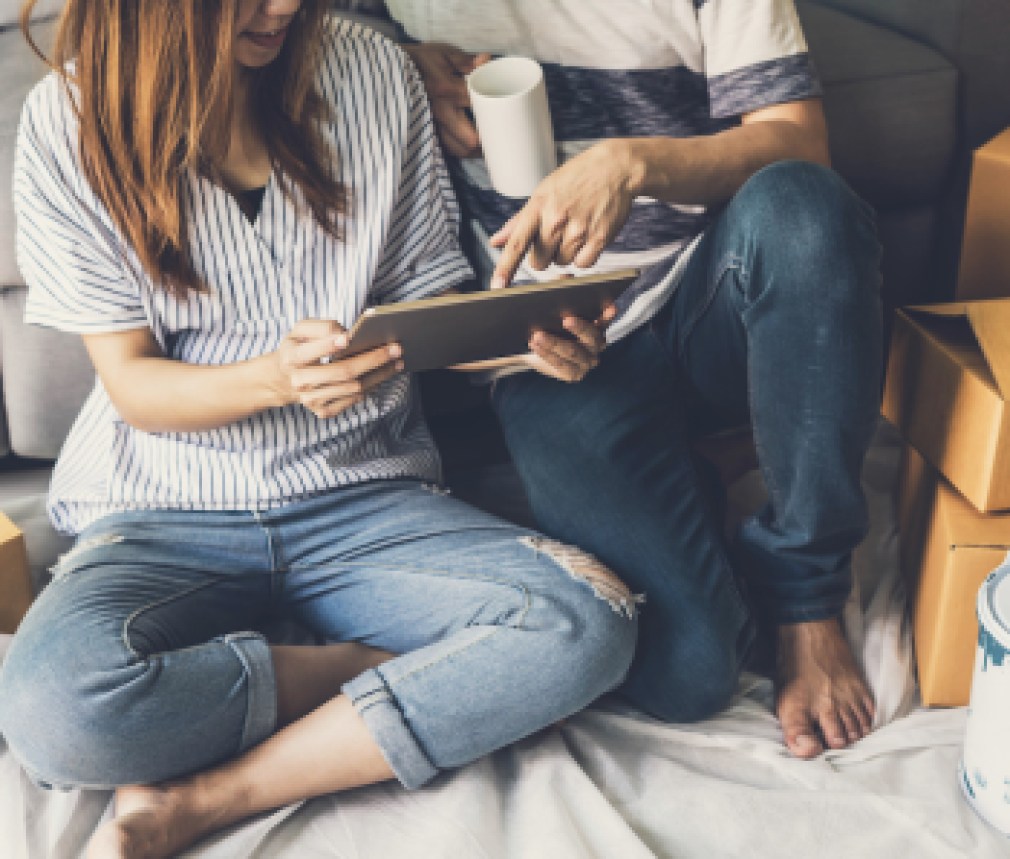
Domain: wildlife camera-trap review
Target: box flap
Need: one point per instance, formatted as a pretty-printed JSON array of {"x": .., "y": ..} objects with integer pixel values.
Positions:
[
  {"x": 990, "y": 320},
  {"x": 965, "y": 528},
  {"x": 997, "y": 149},
  {"x": 990, "y": 323},
  {"x": 8, "y": 530}
]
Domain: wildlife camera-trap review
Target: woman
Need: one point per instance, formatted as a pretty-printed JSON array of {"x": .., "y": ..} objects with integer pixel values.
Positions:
[{"x": 177, "y": 207}]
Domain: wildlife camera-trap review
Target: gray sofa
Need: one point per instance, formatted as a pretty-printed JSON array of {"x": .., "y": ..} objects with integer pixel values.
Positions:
[{"x": 911, "y": 86}]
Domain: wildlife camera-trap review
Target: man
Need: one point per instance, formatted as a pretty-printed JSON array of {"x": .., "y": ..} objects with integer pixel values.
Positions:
[{"x": 693, "y": 145}]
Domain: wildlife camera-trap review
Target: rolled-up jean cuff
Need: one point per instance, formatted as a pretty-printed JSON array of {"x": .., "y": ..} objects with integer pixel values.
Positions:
[
  {"x": 375, "y": 704},
  {"x": 261, "y": 708}
]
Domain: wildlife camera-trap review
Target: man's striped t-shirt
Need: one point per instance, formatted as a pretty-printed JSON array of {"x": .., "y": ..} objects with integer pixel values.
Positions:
[
  {"x": 400, "y": 243},
  {"x": 628, "y": 68}
]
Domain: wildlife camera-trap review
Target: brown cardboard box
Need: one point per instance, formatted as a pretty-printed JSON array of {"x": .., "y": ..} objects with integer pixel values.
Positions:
[
  {"x": 15, "y": 583},
  {"x": 947, "y": 550},
  {"x": 948, "y": 380},
  {"x": 985, "y": 250}
]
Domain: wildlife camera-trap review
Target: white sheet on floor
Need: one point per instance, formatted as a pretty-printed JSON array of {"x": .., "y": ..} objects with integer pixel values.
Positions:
[{"x": 612, "y": 784}]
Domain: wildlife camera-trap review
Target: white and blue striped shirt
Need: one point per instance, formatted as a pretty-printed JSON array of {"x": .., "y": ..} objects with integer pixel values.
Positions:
[
  {"x": 400, "y": 243},
  {"x": 626, "y": 68}
]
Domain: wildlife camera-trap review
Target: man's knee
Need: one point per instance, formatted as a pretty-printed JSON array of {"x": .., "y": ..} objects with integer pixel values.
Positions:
[
  {"x": 815, "y": 242},
  {"x": 806, "y": 209},
  {"x": 689, "y": 657},
  {"x": 681, "y": 692}
]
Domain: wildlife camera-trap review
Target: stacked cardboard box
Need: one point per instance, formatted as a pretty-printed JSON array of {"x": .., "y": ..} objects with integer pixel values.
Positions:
[
  {"x": 985, "y": 252},
  {"x": 947, "y": 390},
  {"x": 15, "y": 583},
  {"x": 948, "y": 383},
  {"x": 947, "y": 550}
]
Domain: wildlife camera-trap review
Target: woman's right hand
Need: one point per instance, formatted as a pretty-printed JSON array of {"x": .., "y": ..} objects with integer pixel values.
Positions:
[
  {"x": 443, "y": 69},
  {"x": 310, "y": 370}
]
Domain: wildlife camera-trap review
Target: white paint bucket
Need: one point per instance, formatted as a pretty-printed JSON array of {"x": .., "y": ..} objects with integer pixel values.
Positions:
[{"x": 984, "y": 773}]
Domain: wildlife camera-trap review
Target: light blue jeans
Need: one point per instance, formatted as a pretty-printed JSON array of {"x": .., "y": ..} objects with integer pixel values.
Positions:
[{"x": 138, "y": 663}]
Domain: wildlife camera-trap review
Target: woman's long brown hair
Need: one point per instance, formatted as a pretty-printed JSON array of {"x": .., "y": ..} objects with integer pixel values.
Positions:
[{"x": 154, "y": 82}]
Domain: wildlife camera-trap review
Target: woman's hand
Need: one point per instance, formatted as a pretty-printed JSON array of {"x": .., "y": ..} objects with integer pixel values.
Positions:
[
  {"x": 443, "y": 69},
  {"x": 309, "y": 368},
  {"x": 573, "y": 215}
]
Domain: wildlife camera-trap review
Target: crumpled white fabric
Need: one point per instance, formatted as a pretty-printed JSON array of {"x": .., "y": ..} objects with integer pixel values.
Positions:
[{"x": 613, "y": 784}]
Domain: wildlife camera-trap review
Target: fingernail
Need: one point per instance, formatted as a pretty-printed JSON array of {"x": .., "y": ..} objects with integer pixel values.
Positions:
[
  {"x": 340, "y": 341},
  {"x": 395, "y": 350},
  {"x": 805, "y": 741},
  {"x": 497, "y": 281}
]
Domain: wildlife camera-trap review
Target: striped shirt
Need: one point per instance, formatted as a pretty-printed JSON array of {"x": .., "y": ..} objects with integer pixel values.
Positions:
[
  {"x": 627, "y": 68},
  {"x": 264, "y": 276}
]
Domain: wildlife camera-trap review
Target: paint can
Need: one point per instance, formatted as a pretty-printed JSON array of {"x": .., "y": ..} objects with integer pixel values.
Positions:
[{"x": 984, "y": 773}]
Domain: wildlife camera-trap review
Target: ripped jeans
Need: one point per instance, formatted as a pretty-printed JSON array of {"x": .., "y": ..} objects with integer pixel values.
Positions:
[{"x": 138, "y": 663}]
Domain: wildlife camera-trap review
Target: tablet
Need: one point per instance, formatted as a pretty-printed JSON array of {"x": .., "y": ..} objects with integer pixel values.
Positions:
[{"x": 474, "y": 326}]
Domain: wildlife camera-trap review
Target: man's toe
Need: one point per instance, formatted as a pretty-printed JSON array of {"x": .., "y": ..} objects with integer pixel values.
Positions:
[
  {"x": 850, "y": 721},
  {"x": 799, "y": 731},
  {"x": 832, "y": 729}
]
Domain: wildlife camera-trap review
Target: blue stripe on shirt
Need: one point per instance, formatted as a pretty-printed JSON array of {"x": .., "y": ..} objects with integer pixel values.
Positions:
[
  {"x": 588, "y": 104},
  {"x": 763, "y": 84}
]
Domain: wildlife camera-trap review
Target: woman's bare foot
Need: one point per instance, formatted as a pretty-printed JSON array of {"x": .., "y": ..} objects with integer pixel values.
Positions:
[
  {"x": 820, "y": 694},
  {"x": 153, "y": 823}
]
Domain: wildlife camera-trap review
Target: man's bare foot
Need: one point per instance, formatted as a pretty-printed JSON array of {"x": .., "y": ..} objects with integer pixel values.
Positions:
[
  {"x": 820, "y": 695},
  {"x": 152, "y": 823}
]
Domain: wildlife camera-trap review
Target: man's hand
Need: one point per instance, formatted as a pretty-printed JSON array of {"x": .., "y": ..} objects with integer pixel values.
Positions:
[
  {"x": 572, "y": 216},
  {"x": 567, "y": 358},
  {"x": 309, "y": 368},
  {"x": 443, "y": 69}
]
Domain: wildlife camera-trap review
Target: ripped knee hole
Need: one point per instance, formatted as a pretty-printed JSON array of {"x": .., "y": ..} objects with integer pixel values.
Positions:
[{"x": 584, "y": 567}]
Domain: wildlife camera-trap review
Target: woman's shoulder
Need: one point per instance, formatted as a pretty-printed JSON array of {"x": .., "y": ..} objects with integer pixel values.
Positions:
[
  {"x": 48, "y": 117},
  {"x": 354, "y": 54}
]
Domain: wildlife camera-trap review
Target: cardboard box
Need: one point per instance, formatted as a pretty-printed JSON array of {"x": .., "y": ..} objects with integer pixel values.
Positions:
[
  {"x": 985, "y": 249},
  {"x": 947, "y": 550},
  {"x": 15, "y": 581},
  {"x": 948, "y": 379}
]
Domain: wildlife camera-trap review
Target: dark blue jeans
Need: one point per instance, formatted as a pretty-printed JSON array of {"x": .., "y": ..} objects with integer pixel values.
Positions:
[{"x": 777, "y": 321}]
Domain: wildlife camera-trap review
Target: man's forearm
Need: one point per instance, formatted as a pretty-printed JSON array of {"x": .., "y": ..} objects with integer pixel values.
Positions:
[{"x": 710, "y": 170}]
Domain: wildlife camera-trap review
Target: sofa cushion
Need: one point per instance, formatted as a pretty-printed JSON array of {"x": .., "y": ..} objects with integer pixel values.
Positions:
[
  {"x": 47, "y": 375},
  {"x": 10, "y": 11},
  {"x": 891, "y": 106},
  {"x": 19, "y": 70},
  {"x": 936, "y": 22}
]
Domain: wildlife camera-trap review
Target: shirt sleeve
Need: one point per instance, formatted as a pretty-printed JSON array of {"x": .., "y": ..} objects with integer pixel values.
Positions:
[
  {"x": 422, "y": 254},
  {"x": 69, "y": 255},
  {"x": 755, "y": 55}
]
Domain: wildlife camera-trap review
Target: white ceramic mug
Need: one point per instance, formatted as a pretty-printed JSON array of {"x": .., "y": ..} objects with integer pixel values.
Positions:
[{"x": 509, "y": 101}]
